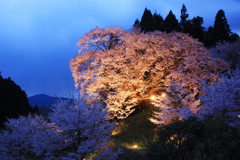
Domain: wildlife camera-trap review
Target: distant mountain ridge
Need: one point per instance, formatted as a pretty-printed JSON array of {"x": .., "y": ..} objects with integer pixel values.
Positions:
[{"x": 42, "y": 100}]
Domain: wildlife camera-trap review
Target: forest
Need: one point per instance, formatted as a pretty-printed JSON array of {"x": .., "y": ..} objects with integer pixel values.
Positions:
[{"x": 161, "y": 90}]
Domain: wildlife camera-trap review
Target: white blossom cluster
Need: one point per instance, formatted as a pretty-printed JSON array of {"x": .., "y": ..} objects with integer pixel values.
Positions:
[
  {"x": 123, "y": 67},
  {"x": 75, "y": 131},
  {"x": 223, "y": 98}
]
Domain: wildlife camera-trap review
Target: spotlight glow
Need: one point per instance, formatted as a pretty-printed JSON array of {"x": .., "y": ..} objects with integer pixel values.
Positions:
[
  {"x": 135, "y": 146},
  {"x": 153, "y": 97},
  {"x": 163, "y": 94}
]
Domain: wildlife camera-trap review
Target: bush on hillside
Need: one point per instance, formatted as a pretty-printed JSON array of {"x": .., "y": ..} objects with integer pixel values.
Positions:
[{"x": 211, "y": 138}]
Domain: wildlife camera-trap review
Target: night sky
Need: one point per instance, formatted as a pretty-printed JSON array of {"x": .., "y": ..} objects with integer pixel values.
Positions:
[{"x": 38, "y": 37}]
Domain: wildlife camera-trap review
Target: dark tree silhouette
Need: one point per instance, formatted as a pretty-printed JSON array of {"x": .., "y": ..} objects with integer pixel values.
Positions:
[
  {"x": 35, "y": 110},
  {"x": 171, "y": 23},
  {"x": 157, "y": 22},
  {"x": 234, "y": 37},
  {"x": 197, "y": 30},
  {"x": 184, "y": 14},
  {"x": 192, "y": 138},
  {"x": 209, "y": 37},
  {"x": 184, "y": 23},
  {"x": 220, "y": 32},
  {"x": 221, "y": 28},
  {"x": 136, "y": 23},
  {"x": 13, "y": 100},
  {"x": 146, "y": 21}
]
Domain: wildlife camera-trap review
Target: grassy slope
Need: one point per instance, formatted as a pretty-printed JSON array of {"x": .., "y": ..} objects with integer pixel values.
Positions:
[{"x": 134, "y": 133}]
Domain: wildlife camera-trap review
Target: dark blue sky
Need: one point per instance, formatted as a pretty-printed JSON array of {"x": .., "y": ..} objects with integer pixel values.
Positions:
[{"x": 38, "y": 37}]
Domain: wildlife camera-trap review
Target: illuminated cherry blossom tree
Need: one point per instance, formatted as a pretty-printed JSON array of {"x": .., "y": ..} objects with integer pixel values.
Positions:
[
  {"x": 75, "y": 130},
  {"x": 30, "y": 135},
  {"x": 176, "y": 103},
  {"x": 229, "y": 52},
  {"x": 223, "y": 98},
  {"x": 85, "y": 129},
  {"x": 122, "y": 68}
]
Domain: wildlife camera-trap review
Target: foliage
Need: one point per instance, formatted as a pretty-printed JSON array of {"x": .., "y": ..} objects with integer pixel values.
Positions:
[
  {"x": 229, "y": 52},
  {"x": 220, "y": 32},
  {"x": 209, "y": 38},
  {"x": 223, "y": 98},
  {"x": 147, "y": 21},
  {"x": 197, "y": 30},
  {"x": 29, "y": 136},
  {"x": 135, "y": 130},
  {"x": 84, "y": 128},
  {"x": 133, "y": 154},
  {"x": 157, "y": 22},
  {"x": 75, "y": 131},
  {"x": 193, "y": 27},
  {"x": 13, "y": 100},
  {"x": 138, "y": 66},
  {"x": 176, "y": 103},
  {"x": 170, "y": 23},
  {"x": 220, "y": 98},
  {"x": 35, "y": 110},
  {"x": 184, "y": 23},
  {"x": 134, "y": 133},
  {"x": 136, "y": 24},
  {"x": 192, "y": 138},
  {"x": 221, "y": 27},
  {"x": 184, "y": 14}
]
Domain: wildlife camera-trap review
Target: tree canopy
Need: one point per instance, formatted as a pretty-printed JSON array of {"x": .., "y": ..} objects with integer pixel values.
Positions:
[
  {"x": 171, "y": 23},
  {"x": 221, "y": 27},
  {"x": 13, "y": 100},
  {"x": 220, "y": 32},
  {"x": 193, "y": 138},
  {"x": 184, "y": 14},
  {"x": 147, "y": 21},
  {"x": 122, "y": 68}
]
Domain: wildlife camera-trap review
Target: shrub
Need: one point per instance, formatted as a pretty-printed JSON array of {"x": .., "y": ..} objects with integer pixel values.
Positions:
[{"x": 192, "y": 138}]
